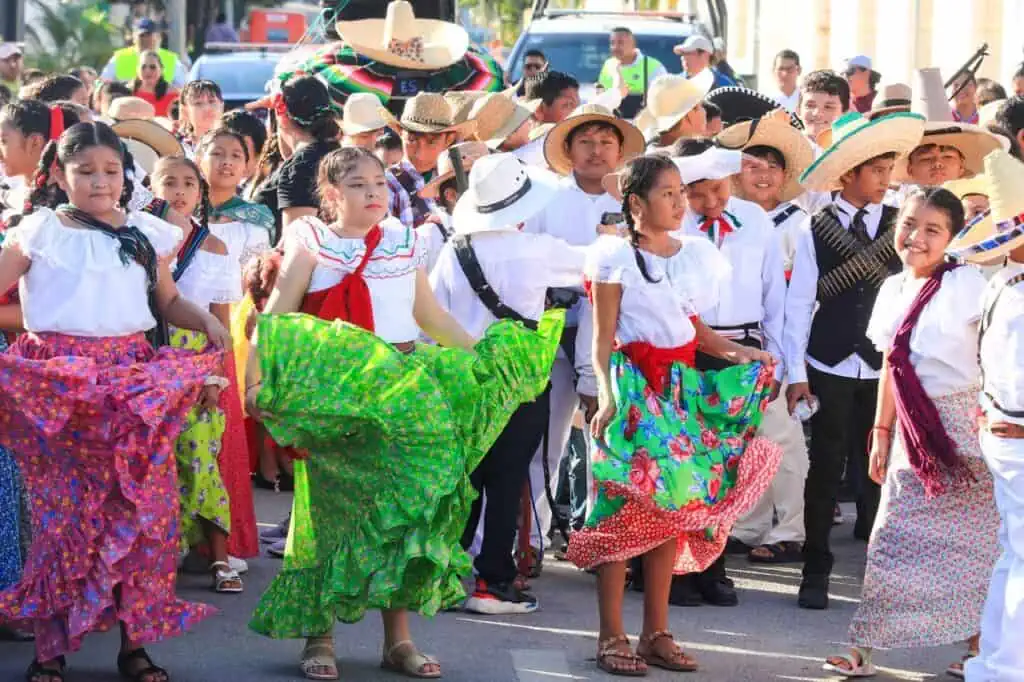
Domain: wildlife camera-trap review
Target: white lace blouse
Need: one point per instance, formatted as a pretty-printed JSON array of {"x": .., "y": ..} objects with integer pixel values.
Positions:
[
  {"x": 77, "y": 284},
  {"x": 211, "y": 278},
  {"x": 390, "y": 273},
  {"x": 944, "y": 343},
  {"x": 244, "y": 240}
]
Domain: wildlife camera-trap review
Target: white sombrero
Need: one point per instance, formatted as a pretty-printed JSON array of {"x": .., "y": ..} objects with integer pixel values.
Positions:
[
  {"x": 503, "y": 192},
  {"x": 856, "y": 139},
  {"x": 670, "y": 98},
  {"x": 402, "y": 40},
  {"x": 775, "y": 131},
  {"x": 991, "y": 236},
  {"x": 929, "y": 100},
  {"x": 147, "y": 141},
  {"x": 554, "y": 146}
]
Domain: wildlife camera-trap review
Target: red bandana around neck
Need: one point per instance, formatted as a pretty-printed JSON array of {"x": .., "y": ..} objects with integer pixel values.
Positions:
[
  {"x": 724, "y": 227},
  {"x": 349, "y": 300}
]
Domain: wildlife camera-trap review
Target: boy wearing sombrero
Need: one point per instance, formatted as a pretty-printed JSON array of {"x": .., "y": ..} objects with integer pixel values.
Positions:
[
  {"x": 427, "y": 128},
  {"x": 673, "y": 108},
  {"x": 1001, "y": 353},
  {"x": 775, "y": 154},
  {"x": 444, "y": 192},
  {"x": 843, "y": 254},
  {"x": 361, "y": 121}
]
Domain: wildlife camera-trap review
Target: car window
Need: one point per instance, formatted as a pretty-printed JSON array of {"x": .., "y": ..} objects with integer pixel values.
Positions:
[
  {"x": 238, "y": 77},
  {"x": 583, "y": 54}
]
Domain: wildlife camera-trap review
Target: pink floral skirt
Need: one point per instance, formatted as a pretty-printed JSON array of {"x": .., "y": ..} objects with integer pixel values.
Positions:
[{"x": 93, "y": 422}]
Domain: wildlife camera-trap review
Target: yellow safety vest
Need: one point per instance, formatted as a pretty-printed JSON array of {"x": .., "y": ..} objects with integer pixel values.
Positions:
[
  {"x": 126, "y": 64},
  {"x": 632, "y": 74}
]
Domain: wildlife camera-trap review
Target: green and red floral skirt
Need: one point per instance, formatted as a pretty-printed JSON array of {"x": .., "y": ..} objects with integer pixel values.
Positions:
[{"x": 680, "y": 464}]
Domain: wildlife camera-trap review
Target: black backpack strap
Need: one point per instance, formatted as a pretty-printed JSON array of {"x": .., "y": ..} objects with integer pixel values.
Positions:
[{"x": 463, "y": 246}]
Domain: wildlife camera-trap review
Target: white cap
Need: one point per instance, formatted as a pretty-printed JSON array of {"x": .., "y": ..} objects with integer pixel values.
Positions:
[
  {"x": 861, "y": 61},
  {"x": 694, "y": 43},
  {"x": 8, "y": 50}
]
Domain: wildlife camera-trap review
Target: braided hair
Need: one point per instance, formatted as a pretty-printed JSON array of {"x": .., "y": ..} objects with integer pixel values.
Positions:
[{"x": 637, "y": 179}]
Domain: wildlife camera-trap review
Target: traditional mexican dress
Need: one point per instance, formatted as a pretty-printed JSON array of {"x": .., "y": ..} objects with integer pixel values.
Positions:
[
  {"x": 92, "y": 412},
  {"x": 930, "y": 557},
  {"x": 203, "y": 278},
  {"x": 679, "y": 460},
  {"x": 381, "y": 502}
]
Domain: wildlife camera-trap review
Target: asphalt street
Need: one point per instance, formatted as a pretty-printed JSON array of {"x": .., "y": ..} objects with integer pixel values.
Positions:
[{"x": 765, "y": 638}]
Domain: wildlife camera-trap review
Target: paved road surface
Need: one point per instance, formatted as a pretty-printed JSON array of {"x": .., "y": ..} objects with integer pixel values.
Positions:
[{"x": 766, "y": 638}]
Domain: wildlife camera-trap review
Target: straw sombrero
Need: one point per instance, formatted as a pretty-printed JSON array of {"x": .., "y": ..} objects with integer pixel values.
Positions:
[
  {"x": 470, "y": 152},
  {"x": 148, "y": 142},
  {"x": 965, "y": 187},
  {"x": 131, "y": 108},
  {"x": 427, "y": 112},
  {"x": 670, "y": 98},
  {"x": 497, "y": 116},
  {"x": 774, "y": 130},
  {"x": 361, "y": 114},
  {"x": 987, "y": 240},
  {"x": 554, "y": 146},
  {"x": 403, "y": 41},
  {"x": 974, "y": 142},
  {"x": 740, "y": 104},
  {"x": 856, "y": 139},
  {"x": 893, "y": 98},
  {"x": 461, "y": 102}
]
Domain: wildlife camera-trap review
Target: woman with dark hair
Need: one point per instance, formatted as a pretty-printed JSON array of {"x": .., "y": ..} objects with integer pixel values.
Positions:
[
  {"x": 934, "y": 543},
  {"x": 150, "y": 84},
  {"x": 56, "y": 88}
]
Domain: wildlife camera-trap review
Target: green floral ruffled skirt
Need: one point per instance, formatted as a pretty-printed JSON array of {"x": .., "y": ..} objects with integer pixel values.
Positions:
[{"x": 382, "y": 500}]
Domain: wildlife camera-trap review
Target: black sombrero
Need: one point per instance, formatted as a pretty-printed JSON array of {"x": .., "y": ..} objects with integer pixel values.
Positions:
[{"x": 739, "y": 104}]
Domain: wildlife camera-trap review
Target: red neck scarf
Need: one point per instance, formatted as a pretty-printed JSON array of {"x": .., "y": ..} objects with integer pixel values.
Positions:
[
  {"x": 724, "y": 227},
  {"x": 349, "y": 299}
]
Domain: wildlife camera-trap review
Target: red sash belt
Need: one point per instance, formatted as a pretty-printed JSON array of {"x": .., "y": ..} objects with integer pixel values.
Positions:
[{"x": 656, "y": 363}]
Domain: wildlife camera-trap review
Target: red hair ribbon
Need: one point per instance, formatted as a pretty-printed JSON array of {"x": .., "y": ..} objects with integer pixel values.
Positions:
[
  {"x": 56, "y": 122},
  {"x": 279, "y": 106}
]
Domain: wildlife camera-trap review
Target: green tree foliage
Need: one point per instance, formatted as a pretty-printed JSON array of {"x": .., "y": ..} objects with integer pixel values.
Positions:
[{"x": 69, "y": 34}]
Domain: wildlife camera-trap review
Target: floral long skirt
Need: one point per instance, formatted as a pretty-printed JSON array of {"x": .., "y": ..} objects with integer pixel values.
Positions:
[
  {"x": 682, "y": 464},
  {"x": 92, "y": 423},
  {"x": 930, "y": 559},
  {"x": 384, "y": 496}
]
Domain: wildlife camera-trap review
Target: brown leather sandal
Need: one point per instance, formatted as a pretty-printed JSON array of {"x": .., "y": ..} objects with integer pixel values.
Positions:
[
  {"x": 679, "y": 661},
  {"x": 614, "y": 661}
]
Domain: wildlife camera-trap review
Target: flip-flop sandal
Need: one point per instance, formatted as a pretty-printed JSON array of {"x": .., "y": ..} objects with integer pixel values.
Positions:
[
  {"x": 318, "y": 655},
  {"x": 410, "y": 665},
  {"x": 680, "y": 662},
  {"x": 858, "y": 660},
  {"x": 778, "y": 553},
  {"x": 606, "y": 652},
  {"x": 957, "y": 669},
  {"x": 149, "y": 669},
  {"x": 734, "y": 546},
  {"x": 36, "y": 671},
  {"x": 225, "y": 579}
]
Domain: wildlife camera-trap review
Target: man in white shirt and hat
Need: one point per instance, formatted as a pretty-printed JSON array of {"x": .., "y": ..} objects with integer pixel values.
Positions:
[{"x": 491, "y": 270}]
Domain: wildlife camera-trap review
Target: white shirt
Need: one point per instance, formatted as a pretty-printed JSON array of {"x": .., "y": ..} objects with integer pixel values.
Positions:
[
  {"x": 519, "y": 267},
  {"x": 244, "y": 240},
  {"x": 77, "y": 284},
  {"x": 390, "y": 273},
  {"x": 785, "y": 231},
  {"x": 435, "y": 236},
  {"x": 802, "y": 296},
  {"x": 211, "y": 278},
  {"x": 1002, "y": 348},
  {"x": 532, "y": 153},
  {"x": 573, "y": 215},
  {"x": 944, "y": 342},
  {"x": 755, "y": 291},
  {"x": 788, "y": 102}
]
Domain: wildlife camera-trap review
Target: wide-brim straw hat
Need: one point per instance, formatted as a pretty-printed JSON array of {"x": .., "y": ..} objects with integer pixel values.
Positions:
[
  {"x": 462, "y": 101},
  {"x": 131, "y": 108},
  {"x": 775, "y": 131},
  {"x": 147, "y": 142},
  {"x": 503, "y": 192},
  {"x": 470, "y": 152},
  {"x": 856, "y": 139},
  {"x": 670, "y": 98},
  {"x": 497, "y": 116},
  {"x": 554, "y": 146},
  {"x": 361, "y": 114},
  {"x": 401, "y": 40},
  {"x": 973, "y": 142},
  {"x": 893, "y": 98},
  {"x": 427, "y": 112},
  {"x": 740, "y": 104},
  {"x": 987, "y": 240},
  {"x": 965, "y": 187}
]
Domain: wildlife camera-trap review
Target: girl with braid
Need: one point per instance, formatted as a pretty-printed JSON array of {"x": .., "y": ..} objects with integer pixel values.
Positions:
[
  {"x": 675, "y": 460},
  {"x": 91, "y": 410},
  {"x": 208, "y": 277}
]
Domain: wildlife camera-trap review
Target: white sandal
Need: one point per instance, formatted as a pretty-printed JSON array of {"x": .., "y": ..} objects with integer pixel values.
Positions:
[
  {"x": 318, "y": 655},
  {"x": 410, "y": 665},
  {"x": 858, "y": 659},
  {"x": 225, "y": 579}
]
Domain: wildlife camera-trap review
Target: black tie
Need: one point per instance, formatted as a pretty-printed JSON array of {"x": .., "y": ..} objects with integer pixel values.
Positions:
[{"x": 859, "y": 228}]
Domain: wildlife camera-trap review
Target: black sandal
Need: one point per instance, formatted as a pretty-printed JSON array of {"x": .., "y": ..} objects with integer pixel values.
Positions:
[
  {"x": 36, "y": 670},
  {"x": 124, "y": 658},
  {"x": 778, "y": 553}
]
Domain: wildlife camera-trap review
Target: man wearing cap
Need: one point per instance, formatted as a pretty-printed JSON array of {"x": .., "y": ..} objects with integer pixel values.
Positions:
[
  {"x": 491, "y": 269},
  {"x": 11, "y": 66},
  {"x": 124, "y": 64},
  {"x": 862, "y": 80},
  {"x": 637, "y": 70},
  {"x": 696, "y": 53}
]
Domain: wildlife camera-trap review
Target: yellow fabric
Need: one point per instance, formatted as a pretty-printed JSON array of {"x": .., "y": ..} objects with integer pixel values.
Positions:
[
  {"x": 126, "y": 63},
  {"x": 239, "y": 315},
  {"x": 633, "y": 74}
]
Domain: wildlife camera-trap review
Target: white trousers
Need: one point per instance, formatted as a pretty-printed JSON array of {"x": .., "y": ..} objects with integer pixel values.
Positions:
[
  {"x": 785, "y": 498},
  {"x": 1002, "y": 623}
]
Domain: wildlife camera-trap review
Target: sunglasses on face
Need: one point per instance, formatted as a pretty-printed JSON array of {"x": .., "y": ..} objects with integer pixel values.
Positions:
[
  {"x": 855, "y": 70},
  {"x": 528, "y": 66}
]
